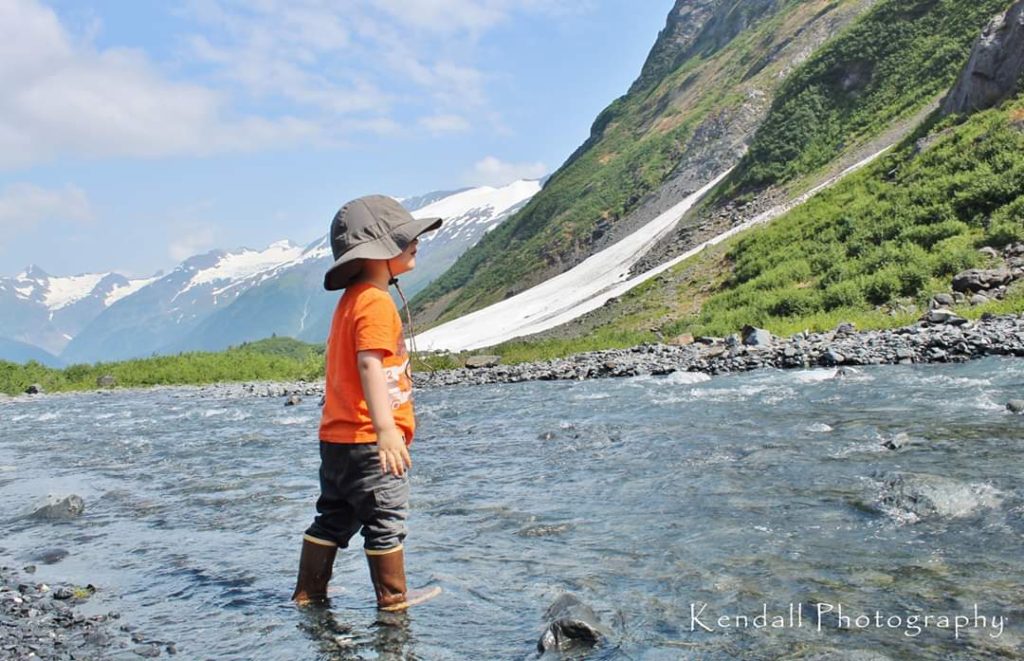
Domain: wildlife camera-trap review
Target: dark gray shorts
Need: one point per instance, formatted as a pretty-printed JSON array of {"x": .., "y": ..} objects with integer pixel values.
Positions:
[{"x": 355, "y": 494}]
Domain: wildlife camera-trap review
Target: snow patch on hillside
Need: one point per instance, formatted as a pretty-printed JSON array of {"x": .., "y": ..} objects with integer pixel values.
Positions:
[
  {"x": 590, "y": 284},
  {"x": 120, "y": 291},
  {"x": 564, "y": 297}
]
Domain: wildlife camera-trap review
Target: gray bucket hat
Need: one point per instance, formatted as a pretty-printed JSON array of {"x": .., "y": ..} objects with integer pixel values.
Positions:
[{"x": 370, "y": 227}]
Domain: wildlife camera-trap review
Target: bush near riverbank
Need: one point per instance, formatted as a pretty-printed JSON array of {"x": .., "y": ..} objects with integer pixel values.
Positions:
[{"x": 273, "y": 359}]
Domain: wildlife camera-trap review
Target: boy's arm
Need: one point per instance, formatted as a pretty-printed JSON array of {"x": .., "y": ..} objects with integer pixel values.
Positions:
[{"x": 390, "y": 442}]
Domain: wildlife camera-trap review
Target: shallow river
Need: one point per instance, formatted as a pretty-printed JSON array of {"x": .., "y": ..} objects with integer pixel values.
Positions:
[{"x": 671, "y": 505}]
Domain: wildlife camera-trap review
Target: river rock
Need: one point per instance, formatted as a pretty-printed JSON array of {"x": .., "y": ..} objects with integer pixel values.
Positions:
[
  {"x": 943, "y": 316},
  {"x": 941, "y": 301},
  {"x": 571, "y": 623},
  {"x": 292, "y": 400},
  {"x": 915, "y": 496},
  {"x": 476, "y": 362},
  {"x": 757, "y": 337},
  {"x": 106, "y": 381},
  {"x": 34, "y": 389},
  {"x": 976, "y": 280},
  {"x": 60, "y": 509},
  {"x": 1015, "y": 406},
  {"x": 49, "y": 556},
  {"x": 845, "y": 328},
  {"x": 682, "y": 340}
]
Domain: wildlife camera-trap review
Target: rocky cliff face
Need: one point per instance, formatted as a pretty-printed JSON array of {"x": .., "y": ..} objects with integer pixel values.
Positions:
[
  {"x": 694, "y": 25},
  {"x": 994, "y": 70}
]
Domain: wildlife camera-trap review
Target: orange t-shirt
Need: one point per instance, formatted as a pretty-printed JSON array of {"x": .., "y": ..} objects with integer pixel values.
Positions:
[{"x": 366, "y": 318}]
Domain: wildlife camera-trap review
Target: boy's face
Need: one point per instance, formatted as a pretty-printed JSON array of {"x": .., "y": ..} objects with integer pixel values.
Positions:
[{"x": 405, "y": 261}]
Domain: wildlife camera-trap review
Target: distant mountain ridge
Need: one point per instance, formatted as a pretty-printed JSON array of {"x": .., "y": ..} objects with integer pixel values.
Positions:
[{"x": 221, "y": 298}]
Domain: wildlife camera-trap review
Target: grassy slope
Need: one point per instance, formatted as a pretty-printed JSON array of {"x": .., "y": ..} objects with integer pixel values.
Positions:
[
  {"x": 888, "y": 236},
  {"x": 641, "y": 137},
  {"x": 900, "y": 55},
  {"x": 887, "y": 66},
  {"x": 271, "y": 359}
]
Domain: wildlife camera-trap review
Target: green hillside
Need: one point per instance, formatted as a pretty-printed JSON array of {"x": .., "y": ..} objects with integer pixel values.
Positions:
[
  {"x": 892, "y": 61},
  {"x": 887, "y": 66},
  {"x": 635, "y": 144},
  {"x": 881, "y": 240}
]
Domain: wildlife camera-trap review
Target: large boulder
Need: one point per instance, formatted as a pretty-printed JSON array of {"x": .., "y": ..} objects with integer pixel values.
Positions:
[
  {"x": 476, "y": 362},
  {"x": 914, "y": 496},
  {"x": 994, "y": 69},
  {"x": 57, "y": 508},
  {"x": 757, "y": 337},
  {"x": 943, "y": 316},
  {"x": 571, "y": 624},
  {"x": 977, "y": 280}
]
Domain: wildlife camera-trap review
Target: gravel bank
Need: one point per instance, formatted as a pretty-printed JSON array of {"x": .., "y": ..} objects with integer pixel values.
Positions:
[
  {"x": 954, "y": 340},
  {"x": 38, "y": 621}
]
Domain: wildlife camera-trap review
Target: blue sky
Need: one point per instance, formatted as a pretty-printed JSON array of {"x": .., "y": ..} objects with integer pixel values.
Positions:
[{"x": 134, "y": 133}]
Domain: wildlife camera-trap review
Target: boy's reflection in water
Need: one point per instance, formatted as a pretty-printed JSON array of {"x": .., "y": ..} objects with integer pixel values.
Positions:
[{"x": 388, "y": 637}]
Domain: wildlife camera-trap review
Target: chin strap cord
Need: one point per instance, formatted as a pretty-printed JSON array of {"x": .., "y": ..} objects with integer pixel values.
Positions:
[{"x": 412, "y": 330}]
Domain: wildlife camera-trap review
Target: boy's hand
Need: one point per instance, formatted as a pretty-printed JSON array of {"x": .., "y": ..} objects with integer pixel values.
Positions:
[{"x": 392, "y": 451}]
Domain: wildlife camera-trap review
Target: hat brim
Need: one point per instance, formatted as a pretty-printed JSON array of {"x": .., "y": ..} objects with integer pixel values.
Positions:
[{"x": 347, "y": 266}]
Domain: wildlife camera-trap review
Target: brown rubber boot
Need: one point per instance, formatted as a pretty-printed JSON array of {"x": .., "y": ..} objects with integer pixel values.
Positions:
[
  {"x": 387, "y": 571},
  {"x": 315, "y": 566}
]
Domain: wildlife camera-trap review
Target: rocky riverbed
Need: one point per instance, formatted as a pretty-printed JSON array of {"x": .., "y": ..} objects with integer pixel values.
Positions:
[{"x": 40, "y": 621}]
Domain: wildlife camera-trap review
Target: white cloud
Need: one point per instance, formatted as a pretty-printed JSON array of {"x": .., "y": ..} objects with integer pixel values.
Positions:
[
  {"x": 492, "y": 171},
  {"x": 308, "y": 72},
  {"x": 438, "y": 124},
  {"x": 62, "y": 97},
  {"x": 24, "y": 205},
  {"x": 189, "y": 240}
]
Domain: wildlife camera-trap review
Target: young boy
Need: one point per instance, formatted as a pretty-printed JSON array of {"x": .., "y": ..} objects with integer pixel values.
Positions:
[{"x": 367, "y": 422}]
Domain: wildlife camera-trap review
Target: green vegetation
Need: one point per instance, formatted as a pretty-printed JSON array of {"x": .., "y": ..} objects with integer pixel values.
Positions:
[
  {"x": 278, "y": 359},
  {"x": 888, "y": 65},
  {"x": 899, "y": 229},
  {"x": 635, "y": 144},
  {"x": 881, "y": 240}
]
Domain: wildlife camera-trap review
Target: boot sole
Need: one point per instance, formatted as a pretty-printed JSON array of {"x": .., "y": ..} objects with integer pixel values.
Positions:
[{"x": 414, "y": 598}]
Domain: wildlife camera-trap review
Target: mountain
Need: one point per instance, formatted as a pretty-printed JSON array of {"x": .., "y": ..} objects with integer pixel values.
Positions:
[
  {"x": 863, "y": 193},
  {"x": 155, "y": 316},
  {"x": 22, "y": 352},
  {"x": 47, "y": 311},
  {"x": 704, "y": 89},
  {"x": 223, "y": 298},
  {"x": 290, "y": 300}
]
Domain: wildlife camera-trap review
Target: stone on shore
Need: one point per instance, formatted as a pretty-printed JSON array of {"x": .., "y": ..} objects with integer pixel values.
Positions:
[
  {"x": 977, "y": 280},
  {"x": 943, "y": 316},
  {"x": 757, "y": 337},
  {"x": 106, "y": 381},
  {"x": 476, "y": 362}
]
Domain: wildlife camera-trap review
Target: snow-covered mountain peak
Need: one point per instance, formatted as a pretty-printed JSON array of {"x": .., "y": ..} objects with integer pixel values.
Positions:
[
  {"x": 234, "y": 266},
  {"x": 496, "y": 200}
]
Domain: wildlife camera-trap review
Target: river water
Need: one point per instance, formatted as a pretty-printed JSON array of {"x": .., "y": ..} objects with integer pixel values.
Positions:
[{"x": 670, "y": 505}]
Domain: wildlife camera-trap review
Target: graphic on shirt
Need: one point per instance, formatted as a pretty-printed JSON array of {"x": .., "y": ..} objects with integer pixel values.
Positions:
[{"x": 397, "y": 376}]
